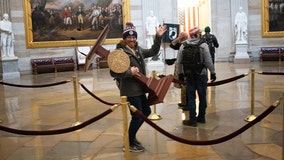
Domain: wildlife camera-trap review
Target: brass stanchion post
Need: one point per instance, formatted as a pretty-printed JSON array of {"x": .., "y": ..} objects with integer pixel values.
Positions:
[
  {"x": 123, "y": 102},
  {"x": 251, "y": 117},
  {"x": 154, "y": 115},
  {"x": 77, "y": 122}
]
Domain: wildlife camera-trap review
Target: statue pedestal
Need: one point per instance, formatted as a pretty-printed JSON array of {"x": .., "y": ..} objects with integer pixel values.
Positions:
[
  {"x": 241, "y": 53},
  {"x": 156, "y": 64},
  {"x": 9, "y": 68}
]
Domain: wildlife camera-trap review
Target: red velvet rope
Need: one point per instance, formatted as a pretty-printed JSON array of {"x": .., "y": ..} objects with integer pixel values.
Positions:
[
  {"x": 96, "y": 97},
  {"x": 212, "y": 83},
  {"x": 216, "y": 83},
  {"x": 208, "y": 142},
  {"x": 57, "y": 131},
  {"x": 34, "y": 86},
  {"x": 272, "y": 73}
]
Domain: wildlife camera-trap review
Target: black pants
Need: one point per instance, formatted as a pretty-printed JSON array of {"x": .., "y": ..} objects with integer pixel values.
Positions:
[{"x": 139, "y": 102}]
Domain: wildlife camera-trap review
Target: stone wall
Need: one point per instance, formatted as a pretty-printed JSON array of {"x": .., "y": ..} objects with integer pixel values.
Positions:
[
  {"x": 255, "y": 32},
  {"x": 223, "y": 15},
  {"x": 165, "y": 10}
]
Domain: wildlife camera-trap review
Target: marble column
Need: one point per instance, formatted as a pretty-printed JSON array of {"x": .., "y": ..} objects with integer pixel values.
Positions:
[{"x": 4, "y": 7}]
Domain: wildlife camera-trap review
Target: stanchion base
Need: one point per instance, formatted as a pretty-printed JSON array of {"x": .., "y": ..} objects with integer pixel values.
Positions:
[
  {"x": 250, "y": 118},
  {"x": 76, "y": 123},
  {"x": 155, "y": 116}
]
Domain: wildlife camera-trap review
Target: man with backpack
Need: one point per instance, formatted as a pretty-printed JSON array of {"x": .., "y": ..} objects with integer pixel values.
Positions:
[
  {"x": 211, "y": 41},
  {"x": 193, "y": 60}
]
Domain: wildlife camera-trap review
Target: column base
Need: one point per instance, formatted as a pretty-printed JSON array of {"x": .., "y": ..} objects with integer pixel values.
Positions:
[
  {"x": 241, "y": 55},
  {"x": 9, "y": 68},
  {"x": 241, "y": 60}
]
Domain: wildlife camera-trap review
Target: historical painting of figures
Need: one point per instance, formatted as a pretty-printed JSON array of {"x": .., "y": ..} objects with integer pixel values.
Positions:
[
  {"x": 272, "y": 18},
  {"x": 72, "y": 22}
]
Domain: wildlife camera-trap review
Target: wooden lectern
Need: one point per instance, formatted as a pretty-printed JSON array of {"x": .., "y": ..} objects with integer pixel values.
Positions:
[{"x": 119, "y": 62}]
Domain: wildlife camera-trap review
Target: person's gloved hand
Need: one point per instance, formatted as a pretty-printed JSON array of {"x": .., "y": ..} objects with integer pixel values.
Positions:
[
  {"x": 181, "y": 77},
  {"x": 213, "y": 77}
]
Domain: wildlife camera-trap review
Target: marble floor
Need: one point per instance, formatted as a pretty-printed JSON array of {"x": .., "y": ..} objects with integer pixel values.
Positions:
[{"x": 57, "y": 107}]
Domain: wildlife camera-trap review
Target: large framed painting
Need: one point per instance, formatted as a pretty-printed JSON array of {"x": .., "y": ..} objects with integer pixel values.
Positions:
[
  {"x": 59, "y": 23},
  {"x": 272, "y": 18}
]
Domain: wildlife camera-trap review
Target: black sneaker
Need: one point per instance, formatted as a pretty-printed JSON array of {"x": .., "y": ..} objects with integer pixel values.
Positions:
[
  {"x": 189, "y": 123},
  {"x": 136, "y": 142},
  {"x": 136, "y": 148},
  {"x": 201, "y": 120}
]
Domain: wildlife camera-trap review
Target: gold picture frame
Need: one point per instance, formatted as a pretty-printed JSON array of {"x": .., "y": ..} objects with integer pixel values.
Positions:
[
  {"x": 56, "y": 36},
  {"x": 270, "y": 22}
]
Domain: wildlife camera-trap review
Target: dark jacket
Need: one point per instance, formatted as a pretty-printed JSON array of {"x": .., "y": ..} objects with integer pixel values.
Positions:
[
  {"x": 129, "y": 86},
  {"x": 212, "y": 42},
  {"x": 175, "y": 47}
]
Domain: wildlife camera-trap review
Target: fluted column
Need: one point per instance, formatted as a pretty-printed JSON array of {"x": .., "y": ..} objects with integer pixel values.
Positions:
[{"x": 4, "y": 7}]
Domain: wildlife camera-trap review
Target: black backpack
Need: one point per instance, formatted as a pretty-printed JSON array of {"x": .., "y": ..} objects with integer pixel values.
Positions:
[{"x": 191, "y": 59}]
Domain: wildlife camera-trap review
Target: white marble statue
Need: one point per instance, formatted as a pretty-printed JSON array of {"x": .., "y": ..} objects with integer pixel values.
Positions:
[
  {"x": 7, "y": 37},
  {"x": 151, "y": 26},
  {"x": 241, "y": 26}
]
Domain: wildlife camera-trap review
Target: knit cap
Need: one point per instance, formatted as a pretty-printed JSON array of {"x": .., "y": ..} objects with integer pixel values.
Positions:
[
  {"x": 207, "y": 29},
  {"x": 194, "y": 31},
  {"x": 129, "y": 30}
]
